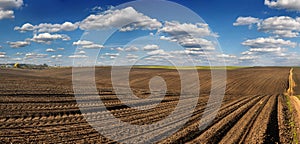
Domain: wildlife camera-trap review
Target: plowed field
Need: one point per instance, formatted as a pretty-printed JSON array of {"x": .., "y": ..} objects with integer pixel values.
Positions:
[{"x": 38, "y": 106}]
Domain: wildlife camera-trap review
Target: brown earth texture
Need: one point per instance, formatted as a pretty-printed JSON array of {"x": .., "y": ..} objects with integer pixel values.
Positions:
[{"x": 39, "y": 106}]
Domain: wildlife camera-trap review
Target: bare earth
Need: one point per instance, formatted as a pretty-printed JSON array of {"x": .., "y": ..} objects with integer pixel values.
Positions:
[
  {"x": 295, "y": 101},
  {"x": 38, "y": 106}
]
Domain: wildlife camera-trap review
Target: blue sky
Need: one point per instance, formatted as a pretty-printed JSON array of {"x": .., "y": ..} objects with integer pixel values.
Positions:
[{"x": 106, "y": 32}]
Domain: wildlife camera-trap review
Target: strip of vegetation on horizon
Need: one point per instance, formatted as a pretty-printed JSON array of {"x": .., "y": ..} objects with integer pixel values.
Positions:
[{"x": 190, "y": 67}]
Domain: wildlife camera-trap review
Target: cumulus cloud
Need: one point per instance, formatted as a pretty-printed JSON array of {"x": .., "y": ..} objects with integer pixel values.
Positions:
[
  {"x": 35, "y": 55},
  {"x": 111, "y": 54},
  {"x": 47, "y": 27},
  {"x": 61, "y": 49},
  {"x": 268, "y": 43},
  {"x": 18, "y": 44},
  {"x": 77, "y": 56},
  {"x": 26, "y": 27},
  {"x": 7, "y": 6},
  {"x": 131, "y": 56},
  {"x": 6, "y": 14},
  {"x": 188, "y": 35},
  {"x": 266, "y": 50},
  {"x": 56, "y": 56},
  {"x": 82, "y": 43},
  {"x": 10, "y": 4},
  {"x": 175, "y": 28},
  {"x": 190, "y": 42},
  {"x": 50, "y": 50},
  {"x": 290, "y": 5},
  {"x": 157, "y": 52},
  {"x": 126, "y": 19},
  {"x": 96, "y": 9},
  {"x": 81, "y": 52},
  {"x": 119, "y": 49},
  {"x": 150, "y": 47},
  {"x": 131, "y": 49},
  {"x": 226, "y": 56},
  {"x": 3, "y": 55},
  {"x": 282, "y": 26},
  {"x": 246, "y": 21},
  {"x": 47, "y": 38},
  {"x": 247, "y": 58},
  {"x": 87, "y": 44},
  {"x": 16, "y": 59}
]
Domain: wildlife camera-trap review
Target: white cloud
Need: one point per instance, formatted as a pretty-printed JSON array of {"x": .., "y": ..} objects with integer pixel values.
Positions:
[
  {"x": 247, "y": 53},
  {"x": 266, "y": 50},
  {"x": 19, "y": 44},
  {"x": 7, "y": 6},
  {"x": 77, "y": 56},
  {"x": 25, "y": 27},
  {"x": 190, "y": 42},
  {"x": 3, "y": 56},
  {"x": 111, "y": 54},
  {"x": 251, "y": 57},
  {"x": 10, "y": 4},
  {"x": 268, "y": 43},
  {"x": 246, "y": 21},
  {"x": 56, "y": 56},
  {"x": 226, "y": 56},
  {"x": 68, "y": 26},
  {"x": 50, "y": 50},
  {"x": 282, "y": 26},
  {"x": 47, "y": 27},
  {"x": 167, "y": 38},
  {"x": 82, "y": 43},
  {"x": 131, "y": 56},
  {"x": 6, "y": 14},
  {"x": 16, "y": 59},
  {"x": 35, "y": 55},
  {"x": 87, "y": 44},
  {"x": 47, "y": 38},
  {"x": 194, "y": 52},
  {"x": 151, "y": 47},
  {"x": 126, "y": 19},
  {"x": 175, "y": 28},
  {"x": 290, "y": 5},
  {"x": 81, "y": 52},
  {"x": 96, "y": 9},
  {"x": 131, "y": 49},
  {"x": 157, "y": 52},
  {"x": 119, "y": 49},
  {"x": 93, "y": 46},
  {"x": 188, "y": 35}
]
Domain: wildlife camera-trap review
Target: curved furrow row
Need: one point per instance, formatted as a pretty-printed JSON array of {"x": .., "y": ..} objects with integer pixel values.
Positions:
[
  {"x": 192, "y": 130},
  {"x": 241, "y": 129},
  {"x": 212, "y": 134}
]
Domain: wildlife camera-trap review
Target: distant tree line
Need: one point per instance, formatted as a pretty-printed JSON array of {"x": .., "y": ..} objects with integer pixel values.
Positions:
[{"x": 24, "y": 66}]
